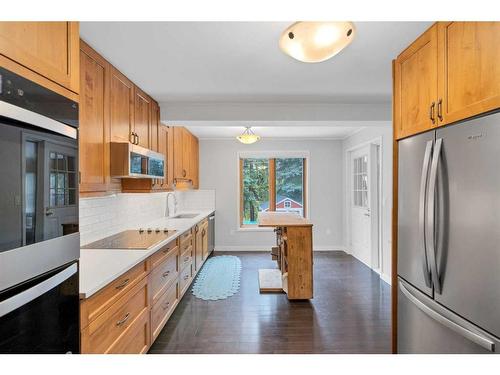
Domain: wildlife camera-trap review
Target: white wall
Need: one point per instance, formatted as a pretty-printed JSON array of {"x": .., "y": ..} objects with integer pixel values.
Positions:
[
  {"x": 361, "y": 137},
  {"x": 219, "y": 171}
]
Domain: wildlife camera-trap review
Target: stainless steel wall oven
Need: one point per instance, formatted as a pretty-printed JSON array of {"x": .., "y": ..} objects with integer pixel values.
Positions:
[{"x": 39, "y": 239}]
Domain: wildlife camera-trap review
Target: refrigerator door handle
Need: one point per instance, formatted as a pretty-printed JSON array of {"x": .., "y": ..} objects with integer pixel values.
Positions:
[
  {"x": 430, "y": 232},
  {"x": 421, "y": 212},
  {"x": 480, "y": 340}
]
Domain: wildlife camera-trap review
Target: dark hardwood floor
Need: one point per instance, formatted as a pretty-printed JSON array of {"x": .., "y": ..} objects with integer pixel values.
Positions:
[{"x": 350, "y": 313}]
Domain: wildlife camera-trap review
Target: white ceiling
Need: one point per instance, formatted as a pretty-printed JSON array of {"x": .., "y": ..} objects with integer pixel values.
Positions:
[
  {"x": 216, "y": 77},
  {"x": 276, "y": 132},
  {"x": 241, "y": 61}
]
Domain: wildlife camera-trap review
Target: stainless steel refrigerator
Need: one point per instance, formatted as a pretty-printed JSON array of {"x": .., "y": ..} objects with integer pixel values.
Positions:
[{"x": 449, "y": 239}]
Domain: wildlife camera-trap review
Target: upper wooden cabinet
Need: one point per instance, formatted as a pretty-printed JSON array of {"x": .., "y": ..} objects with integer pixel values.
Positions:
[
  {"x": 155, "y": 122},
  {"x": 449, "y": 73},
  {"x": 49, "y": 49},
  {"x": 415, "y": 86},
  {"x": 142, "y": 117},
  {"x": 469, "y": 69},
  {"x": 94, "y": 129},
  {"x": 186, "y": 156},
  {"x": 121, "y": 107}
]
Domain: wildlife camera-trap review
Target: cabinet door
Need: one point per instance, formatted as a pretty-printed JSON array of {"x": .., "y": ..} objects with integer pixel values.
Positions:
[
  {"x": 155, "y": 121},
  {"x": 186, "y": 154},
  {"x": 163, "y": 149},
  {"x": 469, "y": 69},
  {"x": 121, "y": 107},
  {"x": 94, "y": 121},
  {"x": 178, "y": 152},
  {"x": 204, "y": 245},
  {"x": 142, "y": 117},
  {"x": 170, "y": 157},
  {"x": 198, "y": 248},
  {"x": 194, "y": 165},
  {"x": 50, "y": 49},
  {"x": 415, "y": 86}
]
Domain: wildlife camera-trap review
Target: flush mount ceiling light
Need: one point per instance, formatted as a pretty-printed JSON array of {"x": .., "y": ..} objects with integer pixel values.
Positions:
[
  {"x": 316, "y": 41},
  {"x": 248, "y": 136}
]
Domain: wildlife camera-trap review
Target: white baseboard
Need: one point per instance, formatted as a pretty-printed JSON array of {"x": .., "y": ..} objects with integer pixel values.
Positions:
[{"x": 268, "y": 248}]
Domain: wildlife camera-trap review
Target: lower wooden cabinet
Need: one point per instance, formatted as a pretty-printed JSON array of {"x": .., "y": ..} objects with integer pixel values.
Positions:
[
  {"x": 163, "y": 308},
  {"x": 128, "y": 314},
  {"x": 110, "y": 329}
]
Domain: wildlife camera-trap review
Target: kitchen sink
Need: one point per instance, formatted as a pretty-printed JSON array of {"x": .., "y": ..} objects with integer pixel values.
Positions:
[{"x": 184, "y": 216}]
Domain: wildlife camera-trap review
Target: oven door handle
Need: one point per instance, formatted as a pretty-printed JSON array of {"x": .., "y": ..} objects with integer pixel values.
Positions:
[{"x": 36, "y": 291}]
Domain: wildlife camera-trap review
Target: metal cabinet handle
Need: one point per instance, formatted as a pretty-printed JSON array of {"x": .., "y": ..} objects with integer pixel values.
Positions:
[
  {"x": 468, "y": 334},
  {"x": 137, "y": 138},
  {"x": 132, "y": 137},
  {"x": 431, "y": 112},
  {"x": 122, "y": 321},
  {"x": 186, "y": 259},
  {"x": 165, "y": 274},
  {"x": 186, "y": 277},
  {"x": 430, "y": 234},
  {"x": 166, "y": 305},
  {"x": 123, "y": 284},
  {"x": 203, "y": 232},
  {"x": 421, "y": 212},
  {"x": 440, "y": 109}
]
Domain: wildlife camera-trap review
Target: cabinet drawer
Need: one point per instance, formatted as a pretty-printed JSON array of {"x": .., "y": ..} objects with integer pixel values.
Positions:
[
  {"x": 186, "y": 258},
  {"x": 158, "y": 257},
  {"x": 163, "y": 275},
  {"x": 186, "y": 236},
  {"x": 94, "y": 306},
  {"x": 136, "y": 339},
  {"x": 101, "y": 335},
  {"x": 163, "y": 309},
  {"x": 185, "y": 277}
]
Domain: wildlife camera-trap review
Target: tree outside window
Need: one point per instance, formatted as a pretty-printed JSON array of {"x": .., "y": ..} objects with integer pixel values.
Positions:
[{"x": 275, "y": 184}]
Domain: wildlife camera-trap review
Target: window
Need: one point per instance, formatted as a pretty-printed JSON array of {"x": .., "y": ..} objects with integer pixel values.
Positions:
[
  {"x": 62, "y": 180},
  {"x": 271, "y": 184},
  {"x": 360, "y": 182}
]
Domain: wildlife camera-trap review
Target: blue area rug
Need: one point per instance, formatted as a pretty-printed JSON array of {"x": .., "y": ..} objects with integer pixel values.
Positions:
[{"x": 219, "y": 278}]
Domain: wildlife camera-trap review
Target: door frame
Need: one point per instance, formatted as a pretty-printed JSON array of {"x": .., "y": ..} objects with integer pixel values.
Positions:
[{"x": 377, "y": 141}]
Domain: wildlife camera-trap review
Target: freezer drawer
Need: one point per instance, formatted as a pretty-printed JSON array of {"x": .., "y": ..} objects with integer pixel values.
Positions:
[
  {"x": 414, "y": 157},
  {"x": 424, "y": 326},
  {"x": 468, "y": 221}
]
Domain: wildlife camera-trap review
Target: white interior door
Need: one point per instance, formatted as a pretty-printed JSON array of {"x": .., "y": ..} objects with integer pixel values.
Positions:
[{"x": 364, "y": 205}]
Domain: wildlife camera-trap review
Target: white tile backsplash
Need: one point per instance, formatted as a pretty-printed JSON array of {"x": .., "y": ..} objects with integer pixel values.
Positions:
[{"x": 105, "y": 216}]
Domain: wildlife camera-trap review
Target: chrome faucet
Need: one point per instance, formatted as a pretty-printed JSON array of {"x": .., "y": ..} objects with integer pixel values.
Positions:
[{"x": 167, "y": 210}]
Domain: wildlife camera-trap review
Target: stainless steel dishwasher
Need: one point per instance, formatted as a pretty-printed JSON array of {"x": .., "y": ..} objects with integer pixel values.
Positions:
[{"x": 211, "y": 233}]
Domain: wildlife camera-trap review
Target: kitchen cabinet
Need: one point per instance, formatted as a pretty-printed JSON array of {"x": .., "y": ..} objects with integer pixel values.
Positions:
[
  {"x": 469, "y": 72},
  {"x": 186, "y": 155},
  {"x": 415, "y": 86},
  {"x": 142, "y": 117},
  {"x": 448, "y": 74},
  {"x": 128, "y": 314},
  {"x": 94, "y": 127},
  {"x": 45, "y": 52},
  {"x": 121, "y": 107}
]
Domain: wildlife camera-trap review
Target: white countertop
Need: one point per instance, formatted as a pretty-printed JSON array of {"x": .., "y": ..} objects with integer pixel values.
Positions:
[{"x": 99, "y": 267}]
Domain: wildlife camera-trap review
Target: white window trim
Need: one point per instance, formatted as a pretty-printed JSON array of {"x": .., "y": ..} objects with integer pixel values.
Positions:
[{"x": 270, "y": 155}]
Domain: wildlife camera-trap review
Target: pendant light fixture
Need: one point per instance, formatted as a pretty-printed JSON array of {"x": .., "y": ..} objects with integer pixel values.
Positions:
[
  {"x": 316, "y": 41},
  {"x": 248, "y": 136}
]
